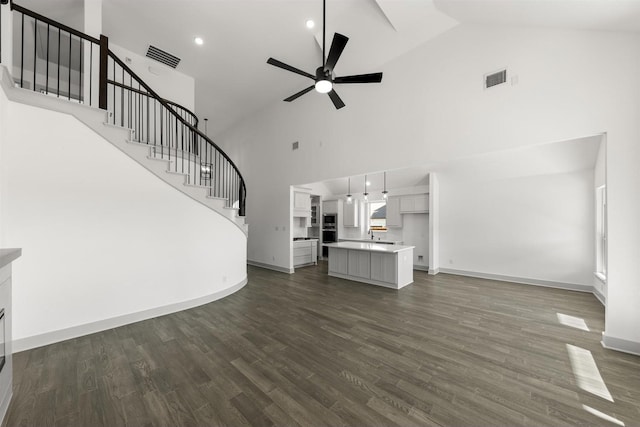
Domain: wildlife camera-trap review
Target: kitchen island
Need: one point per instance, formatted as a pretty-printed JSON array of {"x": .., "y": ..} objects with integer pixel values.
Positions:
[{"x": 376, "y": 264}]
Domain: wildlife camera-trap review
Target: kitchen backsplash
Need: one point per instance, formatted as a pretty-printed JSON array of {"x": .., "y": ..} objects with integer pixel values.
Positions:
[{"x": 299, "y": 229}]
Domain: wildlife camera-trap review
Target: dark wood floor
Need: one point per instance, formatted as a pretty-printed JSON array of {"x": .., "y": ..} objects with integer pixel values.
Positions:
[{"x": 307, "y": 349}]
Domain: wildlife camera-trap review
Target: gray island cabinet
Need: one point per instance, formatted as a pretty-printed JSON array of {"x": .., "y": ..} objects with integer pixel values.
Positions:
[{"x": 376, "y": 264}]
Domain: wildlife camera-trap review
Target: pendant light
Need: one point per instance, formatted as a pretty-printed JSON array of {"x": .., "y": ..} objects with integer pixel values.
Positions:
[
  {"x": 366, "y": 195},
  {"x": 349, "y": 197},
  {"x": 384, "y": 191}
]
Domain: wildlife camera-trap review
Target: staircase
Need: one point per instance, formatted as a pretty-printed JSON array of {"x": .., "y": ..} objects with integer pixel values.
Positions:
[{"x": 69, "y": 71}]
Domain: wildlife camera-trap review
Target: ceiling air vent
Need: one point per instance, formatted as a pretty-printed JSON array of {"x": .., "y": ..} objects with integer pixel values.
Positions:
[
  {"x": 162, "y": 56},
  {"x": 495, "y": 79}
]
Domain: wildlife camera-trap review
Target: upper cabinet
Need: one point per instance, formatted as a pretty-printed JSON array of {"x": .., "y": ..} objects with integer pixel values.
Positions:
[
  {"x": 301, "y": 204},
  {"x": 330, "y": 207},
  {"x": 394, "y": 218},
  {"x": 351, "y": 212},
  {"x": 415, "y": 203}
]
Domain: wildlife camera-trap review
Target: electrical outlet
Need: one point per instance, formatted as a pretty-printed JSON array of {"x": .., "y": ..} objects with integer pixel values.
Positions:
[
  {"x": 450, "y": 261},
  {"x": 420, "y": 258}
]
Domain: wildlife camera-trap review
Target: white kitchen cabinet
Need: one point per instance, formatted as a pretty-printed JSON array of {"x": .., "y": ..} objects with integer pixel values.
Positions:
[
  {"x": 415, "y": 203},
  {"x": 383, "y": 267},
  {"x": 302, "y": 205},
  {"x": 351, "y": 214},
  {"x": 394, "y": 218},
  {"x": 338, "y": 261},
  {"x": 359, "y": 264},
  {"x": 305, "y": 252},
  {"x": 330, "y": 207}
]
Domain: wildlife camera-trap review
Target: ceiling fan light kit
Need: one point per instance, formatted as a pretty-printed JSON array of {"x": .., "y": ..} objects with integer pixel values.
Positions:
[{"x": 324, "y": 79}]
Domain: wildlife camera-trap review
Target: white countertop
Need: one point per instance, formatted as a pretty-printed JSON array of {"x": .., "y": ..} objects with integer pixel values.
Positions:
[
  {"x": 392, "y": 242},
  {"x": 369, "y": 247}
]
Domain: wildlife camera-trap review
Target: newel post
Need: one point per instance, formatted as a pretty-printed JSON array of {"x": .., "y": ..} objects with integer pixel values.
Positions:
[{"x": 104, "y": 57}]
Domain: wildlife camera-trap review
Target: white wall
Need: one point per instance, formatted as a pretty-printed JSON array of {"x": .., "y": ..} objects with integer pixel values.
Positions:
[
  {"x": 4, "y": 117},
  {"x": 102, "y": 237},
  {"x": 535, "y": 227},
  {"x": 165, "y": 81},
  {"x": 431, "y": 108}
]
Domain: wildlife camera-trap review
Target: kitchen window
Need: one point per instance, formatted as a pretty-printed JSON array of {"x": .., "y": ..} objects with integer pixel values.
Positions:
[{"x": 377, "y": 216}]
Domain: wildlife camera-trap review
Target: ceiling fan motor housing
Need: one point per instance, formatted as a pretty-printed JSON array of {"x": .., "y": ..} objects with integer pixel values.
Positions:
[{"x": 323, "y": 74}]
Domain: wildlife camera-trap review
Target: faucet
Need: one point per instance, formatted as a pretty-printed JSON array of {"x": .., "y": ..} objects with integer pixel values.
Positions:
[{"x": 370, "y": 232}]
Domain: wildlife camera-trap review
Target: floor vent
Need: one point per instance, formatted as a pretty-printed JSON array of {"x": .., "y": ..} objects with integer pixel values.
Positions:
[
  {"x": 162, "y": 56},
  {"x": 495, "y": 79}
]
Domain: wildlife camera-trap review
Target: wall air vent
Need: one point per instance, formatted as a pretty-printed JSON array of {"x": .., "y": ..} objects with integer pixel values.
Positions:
[
  {"x": 295, "y": 145},
  {"x": 161, "y": 56},
  {"x": 495, "y": 79}
]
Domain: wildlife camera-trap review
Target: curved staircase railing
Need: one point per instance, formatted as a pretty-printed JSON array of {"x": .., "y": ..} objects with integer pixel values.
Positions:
[{"x": 60, "y": 61}]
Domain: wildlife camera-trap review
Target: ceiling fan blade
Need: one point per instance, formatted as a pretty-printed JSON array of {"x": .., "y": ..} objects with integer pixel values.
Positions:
[
  {"x": 336, "y": 99},
  {"x": 337, "y": 46},
  {"x": 287, "y": 67},
  {"x": 299, "y": 94},
  {"x": 360, "y": 78}
]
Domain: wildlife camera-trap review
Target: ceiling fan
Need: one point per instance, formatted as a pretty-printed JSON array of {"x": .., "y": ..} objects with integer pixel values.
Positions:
[{"x": 324, "y": 78}]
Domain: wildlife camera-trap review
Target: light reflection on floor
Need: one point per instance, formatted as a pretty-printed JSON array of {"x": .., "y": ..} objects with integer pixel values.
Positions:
[
  {"x": 586, "y": 372},
  {"x": 602, "y": 415},
  {"x": 574, "y": 322}
]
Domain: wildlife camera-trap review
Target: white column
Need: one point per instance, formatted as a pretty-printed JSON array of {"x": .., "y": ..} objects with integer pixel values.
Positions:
[
  {"x": 92, "y": 27},
  {"x": 434, "y": 224},
  {"x": 7, "y": 37}
]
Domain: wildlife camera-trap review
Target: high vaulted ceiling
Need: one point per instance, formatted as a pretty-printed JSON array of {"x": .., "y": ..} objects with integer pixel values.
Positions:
[
  {"x": 545, "y": 159},
  {"x": 232, "y": 77}
]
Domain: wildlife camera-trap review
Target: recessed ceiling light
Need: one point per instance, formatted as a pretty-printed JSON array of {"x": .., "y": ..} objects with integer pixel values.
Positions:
[
  {"x": 198, "y": 41},
  {"x": 310, "y": 24}
]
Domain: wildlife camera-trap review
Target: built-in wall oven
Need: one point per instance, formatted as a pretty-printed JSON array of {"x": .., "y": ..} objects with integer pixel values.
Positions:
[
  {"x": 329, "y": 221},
  {"x": 329, "y": 231}
]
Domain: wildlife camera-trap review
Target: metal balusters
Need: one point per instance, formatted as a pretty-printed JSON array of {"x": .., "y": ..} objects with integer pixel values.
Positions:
[
  {"x": 35, "y": 56},
  {"x": 58, "y": 75},
  {"x": 170, "y": 126},
  {"x": 80, "y": 88},
  {"x": 69, "y": 84},
  {"x": 46, "y": 81},
  {"x": 22, "y": 55}
]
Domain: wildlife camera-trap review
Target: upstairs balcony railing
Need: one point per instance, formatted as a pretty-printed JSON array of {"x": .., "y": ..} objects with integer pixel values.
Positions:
[{"x": 56, "y": 60}]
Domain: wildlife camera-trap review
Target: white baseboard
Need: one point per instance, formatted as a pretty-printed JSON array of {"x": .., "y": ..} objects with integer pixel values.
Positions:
[
  {"x": 620, "y": 344},
  {"x": 271, "y": 267},
  {"x": 599, "y": 296},
  {"x": 4, "y": 405},
  {"x": 421, "y": 267},
  {"x": 522, "y": 280},
  {"x": 114, "y": 322},
  {"x": 434, "y": 271}
]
